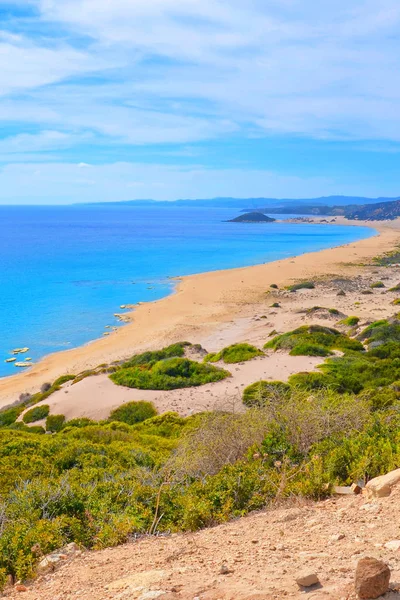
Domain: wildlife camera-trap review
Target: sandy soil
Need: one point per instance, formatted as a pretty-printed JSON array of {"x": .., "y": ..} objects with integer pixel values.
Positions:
[
  {"x": 254, "y": 558},
  {"x": 214, "y": 309}
]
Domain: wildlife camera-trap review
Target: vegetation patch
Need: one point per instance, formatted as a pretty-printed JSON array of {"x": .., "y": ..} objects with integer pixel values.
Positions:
[
  {"x": 377, "y": 284},
  {"x": 274, "y": 286},
  {"x": 168, "y": 374},
  {"x": 303, "y": 285},
  {"x": 388, "y": 259},
  {"x": 262, "y": 392},
  {"x": 350, "y": 321},
  {"x": 235, "y": 354},
  {"x": 133, "y": 412},
  {"x": 311, "y": 339},
  {"x": 36, "y": 414},
  {"x": 395, "y": 288},
  {"x": 275, "y": 305},
  {"x": 151, "y": 357},
  {"x": 54, "y": 423}
]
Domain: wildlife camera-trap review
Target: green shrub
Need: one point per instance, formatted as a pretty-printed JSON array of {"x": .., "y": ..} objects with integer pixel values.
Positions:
[
  {"x": 309, "y": 381},
  {"x": 350, "y": 321},
  {"x": 168, "y": 374},
  {"x": 10, "y": 415},
  {"x": 274, "y": 286},
  {"x": 395, "y": 288},
  {"x": 310, "y": 338},
  {"x": 377, "y": 284},
  {"x": 63, "y": 379},
  {"x": 396, "y": 302},
  {"x": 235, "y": 354},
  {"x": 151, "y": 357},
  {"x": 261, "y": 392},
  {"x": 304, "y": 285},
  {"x": 133, "y": 412},
  {"x": 334, "y": 311},
  {"x": 55, "y": 423},
  {"x": 309, "y": 349},
  {"x": 36, "y": 414}
]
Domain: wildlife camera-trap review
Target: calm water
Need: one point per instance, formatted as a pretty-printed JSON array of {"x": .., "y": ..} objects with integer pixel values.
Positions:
[{"x": 65, "y": 271}]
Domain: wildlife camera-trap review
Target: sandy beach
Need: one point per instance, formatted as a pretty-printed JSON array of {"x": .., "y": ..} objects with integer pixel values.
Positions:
[{"x": 219, "y": 308}]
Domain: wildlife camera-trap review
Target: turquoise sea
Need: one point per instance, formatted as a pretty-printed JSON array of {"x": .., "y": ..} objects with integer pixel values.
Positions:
[{"x": 65, "y": 271}]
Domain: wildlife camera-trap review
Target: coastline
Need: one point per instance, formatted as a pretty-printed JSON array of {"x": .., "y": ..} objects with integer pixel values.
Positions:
[{"x": 201, "y": 305}]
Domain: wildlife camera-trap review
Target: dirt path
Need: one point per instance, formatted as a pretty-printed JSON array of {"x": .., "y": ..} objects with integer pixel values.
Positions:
[{"x": 254, "y": 558}]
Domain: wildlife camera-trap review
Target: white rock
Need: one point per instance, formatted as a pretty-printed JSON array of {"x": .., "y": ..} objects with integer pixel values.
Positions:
[{"x": 393, "y": 545}]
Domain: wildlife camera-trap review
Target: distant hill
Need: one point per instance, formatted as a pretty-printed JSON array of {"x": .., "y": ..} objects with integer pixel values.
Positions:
[
  {"x": 252, "y": 204},
  {"x": 252, "y": 217},
  {"x": 380, "y": 211}
]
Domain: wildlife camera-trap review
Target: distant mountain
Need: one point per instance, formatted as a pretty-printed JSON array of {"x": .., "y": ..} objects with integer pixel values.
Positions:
[
  {"x": 252, "y": 217},
  {"x": 251, "y": 204}
]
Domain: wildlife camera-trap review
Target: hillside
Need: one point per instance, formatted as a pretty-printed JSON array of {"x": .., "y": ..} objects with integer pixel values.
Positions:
[{"x": 257, "y": 557}]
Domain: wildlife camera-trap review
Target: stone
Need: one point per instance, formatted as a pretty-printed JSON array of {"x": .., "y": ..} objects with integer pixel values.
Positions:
[
  {"x": 372, "y": 578},
  {"x": 21, "y": 588},
  {"x": 307, "y": 579},
  {"x": 224, "y": 570},
  {"x": 381, "y": 487},
  {"x": 355, "y": 488},
  {"x": 336, "y": 537},
  {"x": 49, "y": 562},
  {"x": 393, "y": 545}
]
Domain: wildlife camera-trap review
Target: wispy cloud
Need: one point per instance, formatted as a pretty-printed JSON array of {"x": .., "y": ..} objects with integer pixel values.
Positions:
[{"x": 128, "y": 73}]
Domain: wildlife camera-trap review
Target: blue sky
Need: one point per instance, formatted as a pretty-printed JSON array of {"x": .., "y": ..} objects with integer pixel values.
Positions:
[{"x": 105, "y": 100}]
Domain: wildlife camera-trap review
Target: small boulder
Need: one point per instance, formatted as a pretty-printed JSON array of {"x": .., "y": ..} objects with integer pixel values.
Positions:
[
  {"x": 393, "y": 545},
  {"x": 307, "y": 579},
  {"x": 381, "y": 487},
  {"x": 372, "y": 578}
]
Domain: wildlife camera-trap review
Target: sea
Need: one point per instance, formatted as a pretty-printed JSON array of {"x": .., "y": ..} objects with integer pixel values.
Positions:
[{"x": 66, "y": 271}]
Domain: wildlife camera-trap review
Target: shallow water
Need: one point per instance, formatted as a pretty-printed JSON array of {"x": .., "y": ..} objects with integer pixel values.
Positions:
[{"x": 65, "y": 271}]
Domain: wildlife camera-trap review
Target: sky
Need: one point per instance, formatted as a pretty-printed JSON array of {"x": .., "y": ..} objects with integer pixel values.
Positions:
[{"x": 105, "y": 100}]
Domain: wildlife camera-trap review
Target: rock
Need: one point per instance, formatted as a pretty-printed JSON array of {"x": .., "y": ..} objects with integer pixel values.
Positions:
[
  {"x": 393, "y": 545},
  {"x": 355, "y": 488},
  {"x": 381, "y": 487},
  {"x": 49, "y": 562},
  {"x": 21, "y": 588},
  {"x": 372, "y": 578},
  {"x": 224, "y": 570},
  {"x": 307, "y": 579},
  {"x": 336, "y": 537}
]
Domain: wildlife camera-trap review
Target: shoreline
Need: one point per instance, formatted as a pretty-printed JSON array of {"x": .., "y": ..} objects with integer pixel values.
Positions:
[{"x": 200, "y": 305}]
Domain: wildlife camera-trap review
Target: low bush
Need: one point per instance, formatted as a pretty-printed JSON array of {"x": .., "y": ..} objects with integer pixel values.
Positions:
[
  {"x": 133, "y": 412},
  {"x": 309, "y": 349},
  {"x": 275, "y": 305},
  {"x": 312, "y": 338},
  {"x": 168, "y": 374},
  {"x": 55, "y": 423},
  {"x": 274, "y": 286},
  {"x": 350, "y": 321},
  {"x": 303, "y": 285},
  {"x": 395, "y": 288},
  {"x": 36, "y": 414},
  {"x": 10, "y": 415},
  {"x": 396, "y": 302},
  {"x": 261, "y": 392},
  {"x": 235, "y": 354},
  {"x": 151, "y": 357},
  {"x": 377, "y": 284},
  {"x": 63, "y": 379}
]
